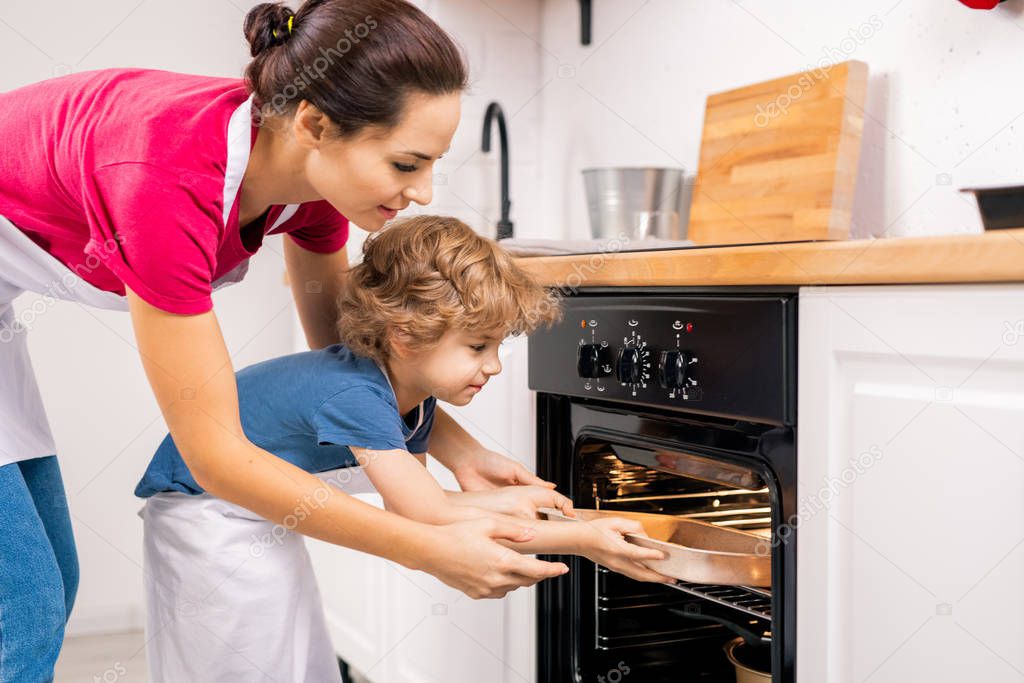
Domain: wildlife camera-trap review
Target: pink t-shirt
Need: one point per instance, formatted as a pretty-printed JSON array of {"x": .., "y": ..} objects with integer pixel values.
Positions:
[{"x": 131, "y": 177}]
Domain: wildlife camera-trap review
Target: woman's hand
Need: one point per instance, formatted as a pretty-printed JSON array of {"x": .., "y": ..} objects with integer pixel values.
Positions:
[
  {"x": 466, "y": 556},
  {"x": 517, "y": 501},
  {"x": 604, "y": 544},
  {"x": 484, "y": 470}
]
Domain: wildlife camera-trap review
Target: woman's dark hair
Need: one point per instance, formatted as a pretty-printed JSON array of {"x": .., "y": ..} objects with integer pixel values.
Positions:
[{"x": 355, "y": 60}]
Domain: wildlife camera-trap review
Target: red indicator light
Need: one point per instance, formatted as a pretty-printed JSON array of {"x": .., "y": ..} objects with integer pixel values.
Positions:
[
  {"x": 583, "y": 324},
  {"x": 689, "y": 327}
]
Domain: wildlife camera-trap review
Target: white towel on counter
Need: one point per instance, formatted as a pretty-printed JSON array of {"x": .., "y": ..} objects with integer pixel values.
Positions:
[{"x": 543, "y": 247}]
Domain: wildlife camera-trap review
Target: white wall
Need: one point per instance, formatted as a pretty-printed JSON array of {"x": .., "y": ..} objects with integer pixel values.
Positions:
[
  {"x": 104, "y": 417},
  {"x": 499, "y": 39},
  {"x": 942, "y": 111}
]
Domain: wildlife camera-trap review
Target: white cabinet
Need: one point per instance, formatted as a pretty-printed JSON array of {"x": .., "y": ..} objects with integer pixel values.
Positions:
[
  {"x": 400, "y": 626},
  {"x": 911, "y": 484}
]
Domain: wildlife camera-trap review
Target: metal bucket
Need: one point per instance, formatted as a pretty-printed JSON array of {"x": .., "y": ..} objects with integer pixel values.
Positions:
[
  {"x": 747, "y": 671},
  {"x": 637, "y": 202}
]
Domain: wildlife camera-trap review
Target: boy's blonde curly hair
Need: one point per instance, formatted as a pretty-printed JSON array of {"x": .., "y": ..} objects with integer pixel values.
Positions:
[{"x": 425, "y": 275}]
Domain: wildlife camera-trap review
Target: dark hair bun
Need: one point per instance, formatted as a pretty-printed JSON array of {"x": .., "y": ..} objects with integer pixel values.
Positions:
[
  {"x": 266, "y": 26},
  {"x": 354, "y": 60}
]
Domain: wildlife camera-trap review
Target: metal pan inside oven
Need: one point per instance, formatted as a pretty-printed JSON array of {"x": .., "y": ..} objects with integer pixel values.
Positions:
[{"x": 697, "y": 552}]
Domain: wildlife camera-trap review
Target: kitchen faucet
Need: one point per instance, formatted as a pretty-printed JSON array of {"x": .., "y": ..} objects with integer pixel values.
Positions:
[{"x": 494, "y": 111}]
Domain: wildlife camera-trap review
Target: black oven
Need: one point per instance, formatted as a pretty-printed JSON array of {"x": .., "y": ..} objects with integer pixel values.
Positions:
[{"x": 677, "y": 403}]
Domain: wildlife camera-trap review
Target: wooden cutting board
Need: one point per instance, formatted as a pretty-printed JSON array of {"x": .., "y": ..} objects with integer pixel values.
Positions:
[{"x": 778, "y": 160}]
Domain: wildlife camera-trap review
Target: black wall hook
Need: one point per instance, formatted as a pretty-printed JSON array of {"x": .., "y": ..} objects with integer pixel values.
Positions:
[{"x": 586, "y": 20}]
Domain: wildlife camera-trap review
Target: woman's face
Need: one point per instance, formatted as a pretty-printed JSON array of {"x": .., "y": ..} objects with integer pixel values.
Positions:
[{"x": 377, "y": 173}]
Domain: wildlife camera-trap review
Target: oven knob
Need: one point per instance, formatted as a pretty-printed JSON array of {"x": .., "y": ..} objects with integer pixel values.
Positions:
[
  {"x": 629, "y": 368},
  {"x": 672, "y": 369},
  {"x": 592, "y": 361}
]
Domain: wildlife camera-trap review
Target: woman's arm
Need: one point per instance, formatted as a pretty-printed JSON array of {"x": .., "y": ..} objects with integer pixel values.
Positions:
[
  {"x": 409, "y": 490},
  {"x": 190, "y": 372},
  {"x": 316, "y": 280}
]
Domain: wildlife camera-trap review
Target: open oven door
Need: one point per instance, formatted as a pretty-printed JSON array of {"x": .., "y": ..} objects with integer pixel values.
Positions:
[{"x": 594, "y": 624}]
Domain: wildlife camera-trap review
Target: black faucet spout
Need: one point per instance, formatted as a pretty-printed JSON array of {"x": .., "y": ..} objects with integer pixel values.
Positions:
[{"x": 494, "y": 112}]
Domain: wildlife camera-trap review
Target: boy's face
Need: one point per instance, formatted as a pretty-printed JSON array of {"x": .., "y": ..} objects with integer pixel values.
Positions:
[{"x": 457, "y": 367}]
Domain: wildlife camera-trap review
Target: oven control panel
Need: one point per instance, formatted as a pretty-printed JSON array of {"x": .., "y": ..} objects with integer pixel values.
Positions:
[
  {"x": 631, "y": 362},
  {"x": 732, "y": 355}
]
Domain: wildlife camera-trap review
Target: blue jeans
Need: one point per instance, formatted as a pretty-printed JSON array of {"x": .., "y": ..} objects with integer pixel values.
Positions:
[{"x": 38, "y": 569}]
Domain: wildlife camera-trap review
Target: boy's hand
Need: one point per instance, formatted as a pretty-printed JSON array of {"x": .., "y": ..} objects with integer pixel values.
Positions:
[
  {"x": 465, "y": 556},
  {"x": 602, "y": 542},
  {"x": 517, "y": 501},
  {"x": 487, "y": 469}
]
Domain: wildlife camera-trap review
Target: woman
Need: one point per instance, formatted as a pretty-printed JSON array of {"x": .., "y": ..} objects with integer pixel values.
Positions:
[{"x": 144, "y": 191}]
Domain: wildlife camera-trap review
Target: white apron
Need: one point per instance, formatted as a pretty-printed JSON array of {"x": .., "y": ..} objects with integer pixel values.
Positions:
[
  {"x": 26, "y": 267},
  {"x": 232, "y": 597}
]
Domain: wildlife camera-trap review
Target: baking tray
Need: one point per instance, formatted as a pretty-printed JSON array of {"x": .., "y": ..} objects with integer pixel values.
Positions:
[{"x": 697, "y": 552}]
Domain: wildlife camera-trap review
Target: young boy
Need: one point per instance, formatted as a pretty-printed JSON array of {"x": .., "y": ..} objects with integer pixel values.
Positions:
[{"x": 230, "y": 595}]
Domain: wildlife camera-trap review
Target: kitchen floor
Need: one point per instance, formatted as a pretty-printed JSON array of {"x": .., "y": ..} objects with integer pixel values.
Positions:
[{"x": 117, "y": 657}]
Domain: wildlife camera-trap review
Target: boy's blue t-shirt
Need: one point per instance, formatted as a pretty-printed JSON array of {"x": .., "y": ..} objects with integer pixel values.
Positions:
[{"x": 308, "y": 408}]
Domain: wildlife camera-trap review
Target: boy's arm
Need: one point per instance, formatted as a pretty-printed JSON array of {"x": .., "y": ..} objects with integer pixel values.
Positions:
[
  {"x": 409, "y": 489},
  {"x": 518, "y": 501},
  {"x": 600, "y": 541}
]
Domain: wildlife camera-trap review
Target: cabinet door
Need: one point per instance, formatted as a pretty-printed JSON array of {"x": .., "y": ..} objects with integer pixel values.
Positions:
[{"x": 910, "y": 535}]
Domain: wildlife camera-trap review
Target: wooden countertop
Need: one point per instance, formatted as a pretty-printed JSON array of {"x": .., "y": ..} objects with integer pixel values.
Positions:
[{"x": 996, "y": 256}]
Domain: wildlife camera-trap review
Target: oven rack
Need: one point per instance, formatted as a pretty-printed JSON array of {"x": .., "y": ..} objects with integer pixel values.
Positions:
[{"x": 757, "y": 602}]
